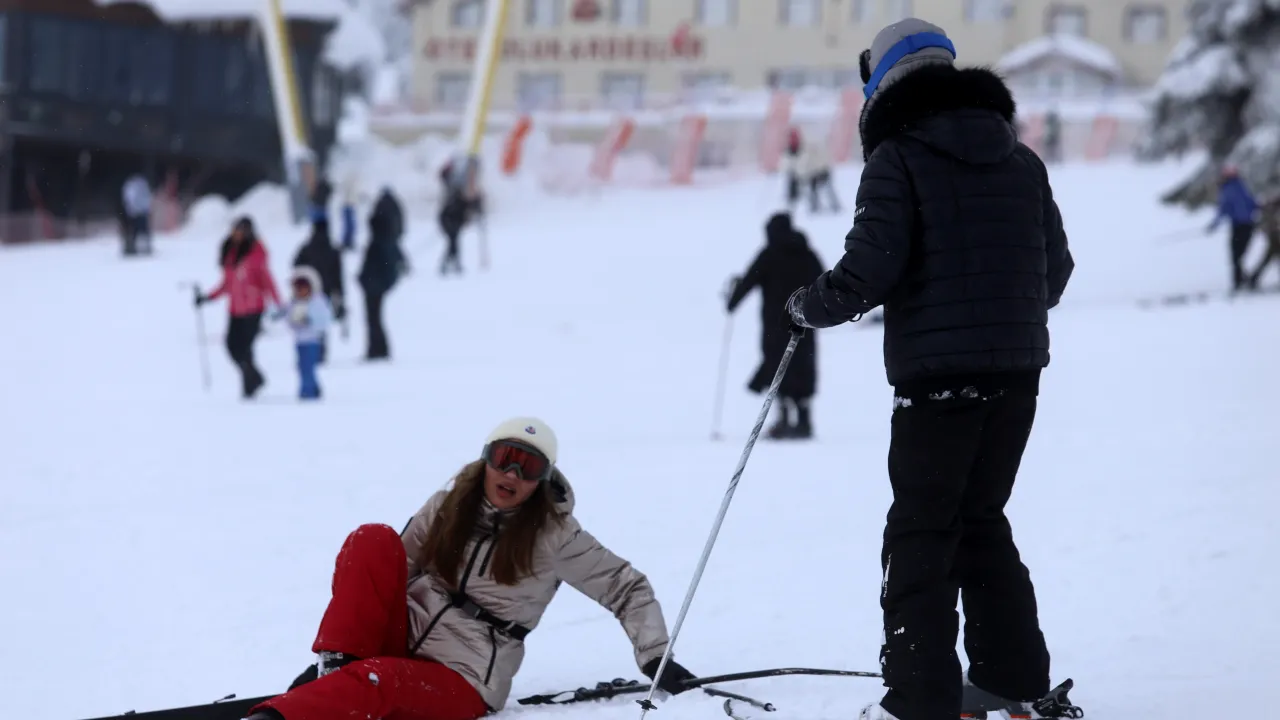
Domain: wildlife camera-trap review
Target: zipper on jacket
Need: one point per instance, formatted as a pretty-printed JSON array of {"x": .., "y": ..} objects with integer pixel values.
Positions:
[
  {"x": 493, "y": 543},
  {"x": 493, "y": 653},
  {"x": 461, "y": 587}
]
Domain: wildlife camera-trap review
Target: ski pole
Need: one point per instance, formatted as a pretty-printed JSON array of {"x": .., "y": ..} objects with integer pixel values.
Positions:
[
  {"x": 721, "y": 380},
  {"x": 206, "y": 376},
  {"x": 796, "y": 333}
]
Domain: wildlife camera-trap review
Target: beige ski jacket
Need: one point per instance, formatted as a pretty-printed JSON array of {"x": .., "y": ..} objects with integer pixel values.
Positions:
[{"x": 488, "y": 657}]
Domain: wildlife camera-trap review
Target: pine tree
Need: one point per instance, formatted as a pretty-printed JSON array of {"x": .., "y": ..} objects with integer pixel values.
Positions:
[{"x": 1220, "y": 93}]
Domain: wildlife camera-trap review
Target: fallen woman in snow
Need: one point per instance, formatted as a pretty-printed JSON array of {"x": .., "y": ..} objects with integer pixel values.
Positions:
[{"x": 430, "y": 622}]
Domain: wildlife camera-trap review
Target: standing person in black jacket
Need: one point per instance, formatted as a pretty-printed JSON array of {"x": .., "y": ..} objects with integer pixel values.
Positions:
[
  {"x": 320, "y": 254},
  {"x": 957, "y": 234},
  {"x": 785, "y": 264},
  {"x": 384, "y": 263}
]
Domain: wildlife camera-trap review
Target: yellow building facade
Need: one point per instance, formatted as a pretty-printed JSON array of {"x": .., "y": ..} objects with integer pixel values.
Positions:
[{"x": 631, "y": 54}]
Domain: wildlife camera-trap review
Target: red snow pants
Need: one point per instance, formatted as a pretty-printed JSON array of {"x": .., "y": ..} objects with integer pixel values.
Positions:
[{"x": 368, "y": 617}]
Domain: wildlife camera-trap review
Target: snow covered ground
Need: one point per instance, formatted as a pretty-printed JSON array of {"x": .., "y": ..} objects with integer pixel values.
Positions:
[{"x": 163, "y": 546}]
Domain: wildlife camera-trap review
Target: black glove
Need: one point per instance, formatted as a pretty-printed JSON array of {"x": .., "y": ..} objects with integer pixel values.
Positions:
[
  {"x": 795, "y": 310},
  {"x": 673, "y": 677},
  {"x": 729, "y": 287},
  {"x": 200, "y": 298}
]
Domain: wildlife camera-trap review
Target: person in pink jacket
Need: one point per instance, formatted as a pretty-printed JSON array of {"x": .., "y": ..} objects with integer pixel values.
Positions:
[{"x": 247, "y": 283}]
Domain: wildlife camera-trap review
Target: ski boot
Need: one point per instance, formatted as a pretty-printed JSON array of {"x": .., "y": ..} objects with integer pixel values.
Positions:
[
  {"x": 782, "y": 429},
  {"x": 978, "y": 704}
]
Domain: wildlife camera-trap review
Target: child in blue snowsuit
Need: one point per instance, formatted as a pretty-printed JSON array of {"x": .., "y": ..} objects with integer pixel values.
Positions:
[
  {"x": 309, "y": 315},
  {"x": 1236, "y": 204}
]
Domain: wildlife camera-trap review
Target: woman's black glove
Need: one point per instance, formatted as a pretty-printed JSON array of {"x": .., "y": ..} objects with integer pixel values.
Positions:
[{"x": 673, "y": 677}]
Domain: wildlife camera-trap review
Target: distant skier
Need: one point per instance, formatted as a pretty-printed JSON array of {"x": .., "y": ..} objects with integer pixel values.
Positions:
[
  {"x": 320, "y": 196},
  {"x": 1270, "y": 213},
  {"x": 957, "y": 234},
  {"x": 320, "y": 254},
  {"x": 1237, "y": 205},
  {"x": 350, "y": 195},
  {"x": 136, "y": 197},
  {"x": 1053, "y": 137},
  {"x": 785, "y": 264},
  {"x": 792, "y": 164},
  {"x": 384, "y": 265},
  {"x": 462, "y": 203},
  {"x": 418, "y": 628},
  {"x": 308, "y": 314},
  {"x": 247, "y": 281}
]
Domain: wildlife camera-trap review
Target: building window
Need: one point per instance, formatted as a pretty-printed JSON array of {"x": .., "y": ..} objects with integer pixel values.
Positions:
[
  {"x": 452, "y": 90},
  {"x": 1068, "y": 20},
  {"x": 705, "y": 86},
  {"x": 984, "y": 11},
  {"x": 622, "y": 91},
  {"x": 629, "y": 13},
  {"x": 717, "y": 13},
  {"x": 1146, "y": 25},
  {"x": 799, "y": 13},
  {"x": 862, "y": 11},
  {"x": 467, "y": 13},
  {"x": 538, "y": 91},
  {"x": 896, "y": 10},
  {"x": 542, "y": 13}
]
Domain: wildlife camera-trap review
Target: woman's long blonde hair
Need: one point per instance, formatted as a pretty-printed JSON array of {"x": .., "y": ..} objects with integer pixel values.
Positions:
[{"x": 454, "y": 525}]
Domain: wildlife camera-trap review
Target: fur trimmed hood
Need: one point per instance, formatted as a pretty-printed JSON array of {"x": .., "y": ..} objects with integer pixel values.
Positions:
[{"x": 968, "y": 113}]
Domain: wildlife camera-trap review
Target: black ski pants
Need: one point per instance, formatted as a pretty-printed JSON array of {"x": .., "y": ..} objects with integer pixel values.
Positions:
[
  {"x": 1241, "y": 235},
  {"x": 378, "y": 348},
  {"x": 952, "y": 464},
  {"x": 242, "y": 330}
]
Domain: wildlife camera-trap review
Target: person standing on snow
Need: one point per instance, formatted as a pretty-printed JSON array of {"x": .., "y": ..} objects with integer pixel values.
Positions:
[
  {"x": 320, "y": 254},
  {"x": 957, "y": 234},
  {"x": 246, "y": 279},
  {"x": 785, "y": 264},
  {"x": 136, "y": 197},
  {"x": 308, "y": 315},
  {"x": 384, "y": 264},
  {"x": 816, "y": 163},
  {"x": 1236, "y": 204},
  {"x": 431, "y": 622}
]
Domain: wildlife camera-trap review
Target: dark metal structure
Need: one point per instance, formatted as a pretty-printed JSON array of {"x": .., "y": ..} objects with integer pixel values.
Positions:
[{"x": 91, "y": 94}]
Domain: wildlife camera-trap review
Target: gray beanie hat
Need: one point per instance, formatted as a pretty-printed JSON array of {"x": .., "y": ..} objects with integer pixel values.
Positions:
[{"x": 900, "y": 48}]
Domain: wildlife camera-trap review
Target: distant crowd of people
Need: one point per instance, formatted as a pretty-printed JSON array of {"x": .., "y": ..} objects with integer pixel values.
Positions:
[{"x": 317, "y": 295}]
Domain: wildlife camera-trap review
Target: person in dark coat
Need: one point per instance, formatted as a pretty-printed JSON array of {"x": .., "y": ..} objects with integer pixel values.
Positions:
[
  {"x": 957, "y": 234},
  {"x": 785, "y": 264},
  {"x": 1238, "y": 206},
  {"x": 319, "y": 253},
  {"x": 384, "y": 264},
  {"x": 452, "y": 218}
]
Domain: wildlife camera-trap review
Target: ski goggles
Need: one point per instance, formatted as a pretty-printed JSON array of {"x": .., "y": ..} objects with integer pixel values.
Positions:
[{"x": 511, "y": 455}]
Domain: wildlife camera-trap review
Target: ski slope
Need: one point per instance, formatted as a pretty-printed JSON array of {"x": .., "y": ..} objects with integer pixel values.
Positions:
[{"x": 163, "y": 546}]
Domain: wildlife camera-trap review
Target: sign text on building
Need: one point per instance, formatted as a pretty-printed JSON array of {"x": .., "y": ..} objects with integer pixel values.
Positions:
[{"x": 681, "y": 46}]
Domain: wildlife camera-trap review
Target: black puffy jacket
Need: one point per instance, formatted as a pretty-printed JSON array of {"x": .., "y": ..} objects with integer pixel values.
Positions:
[{"x": 956, "y": 233}]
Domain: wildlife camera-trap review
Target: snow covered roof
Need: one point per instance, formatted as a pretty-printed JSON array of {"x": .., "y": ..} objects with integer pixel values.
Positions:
[
  {"x": 1071, "y": 47},
  {"x": 182, "y": 10},
  {"x": 354, "y": 41}
]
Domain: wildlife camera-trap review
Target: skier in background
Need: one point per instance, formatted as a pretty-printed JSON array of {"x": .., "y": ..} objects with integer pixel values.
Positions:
[
  {"x": 1238, "y": 206},
  {"x": 319, "y": 253},
  {"x": 1270, "y": 213},
  {"x": 384, "y": 265},
  {"x": 350, "y": 194},
  {"x": 1053, "y": 137},
  {"x": 463, "y": 202},
  {"x": 791, "y": 165},
  {"x": 136, "y": 197},
  {"x": 247, "y": 281},
  {"x": 785, "y": 264},
  {"x": 308, "y": 314},
  {"x": 957, "y": 234}
]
